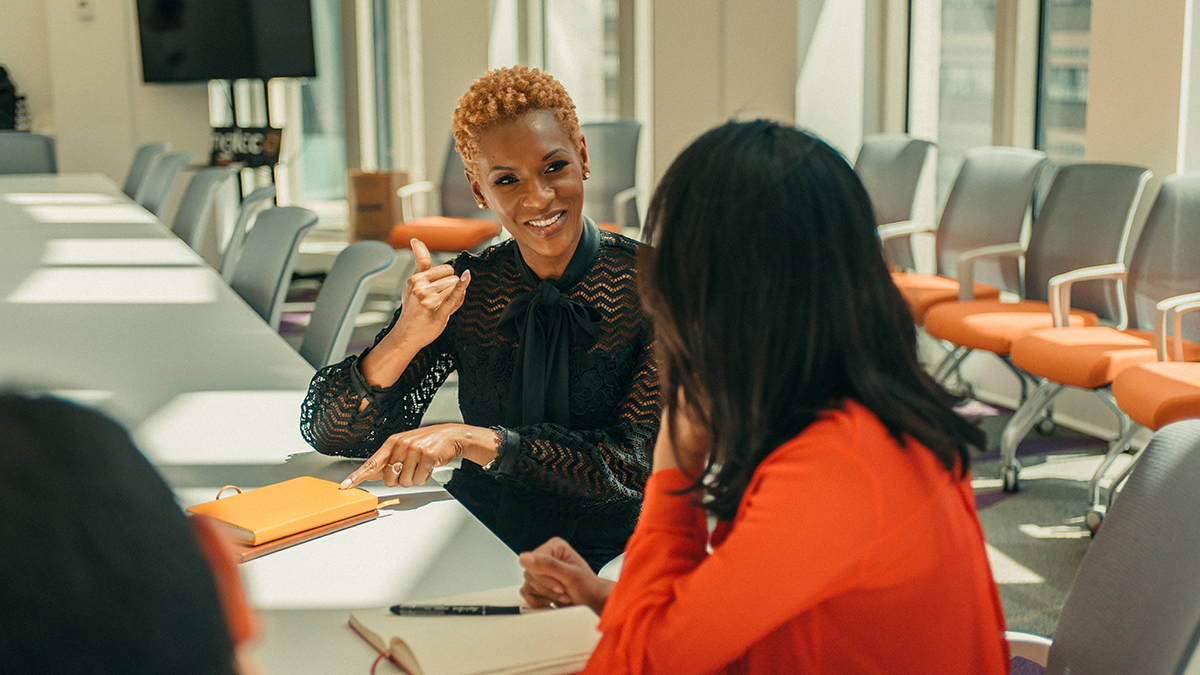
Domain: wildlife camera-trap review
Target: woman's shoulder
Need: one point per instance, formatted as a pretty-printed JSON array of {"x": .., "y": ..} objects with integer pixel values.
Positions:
[
  {"x": 496, "y": 256},
  {"x": 616, "y": 261},
  {"x": 616, "y": 245},
  {"x": 851, "y": 435},
  {"x": 848, "y": 426}
]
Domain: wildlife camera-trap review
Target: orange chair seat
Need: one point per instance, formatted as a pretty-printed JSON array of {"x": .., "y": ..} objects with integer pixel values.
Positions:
[
  {"x": 440, "y": 233},
  {"x": 922, "y": 291},
  {"x": 1088, "y": 358},
  {"x": 1156, "y": 394},
  {"x": 993, "y": 325},
  {"x": 611, "y": 227}
]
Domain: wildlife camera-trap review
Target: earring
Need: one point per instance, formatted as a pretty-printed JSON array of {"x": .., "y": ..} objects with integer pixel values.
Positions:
[
  {"x": 587, "y": 175},
  {"x": 481, "y": 206}
]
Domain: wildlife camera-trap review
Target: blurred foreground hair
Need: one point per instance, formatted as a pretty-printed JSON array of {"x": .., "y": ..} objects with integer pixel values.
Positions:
[{"x": 101, "y": 572}]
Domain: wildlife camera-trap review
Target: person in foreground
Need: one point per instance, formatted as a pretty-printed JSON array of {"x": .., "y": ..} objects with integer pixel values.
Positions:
[
  {"x": 557, "y": 383},
  {"x": 846, "y": 539},
  {"x": 102, "y": 573}
]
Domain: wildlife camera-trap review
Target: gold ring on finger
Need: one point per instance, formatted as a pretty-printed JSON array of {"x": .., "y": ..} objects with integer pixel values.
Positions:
[{"x": 398, "y": 467}]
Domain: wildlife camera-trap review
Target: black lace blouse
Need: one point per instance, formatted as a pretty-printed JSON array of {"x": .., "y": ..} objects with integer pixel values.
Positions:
[{"x": 583, "y": 483}]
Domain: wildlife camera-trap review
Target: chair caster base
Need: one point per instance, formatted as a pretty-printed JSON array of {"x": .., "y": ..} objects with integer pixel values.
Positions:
[
  {"x": 1046, "y": 426},
  {"x": 1093, "y": 518},
  {"x": 1012, "y": 479}
]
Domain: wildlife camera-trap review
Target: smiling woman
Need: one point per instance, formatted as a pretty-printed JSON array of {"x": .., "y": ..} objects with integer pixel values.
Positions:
[{"x": 557, "y": 381}]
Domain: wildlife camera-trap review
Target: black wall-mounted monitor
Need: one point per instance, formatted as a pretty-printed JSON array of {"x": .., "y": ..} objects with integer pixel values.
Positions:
[{"x": 197, "y": 40}]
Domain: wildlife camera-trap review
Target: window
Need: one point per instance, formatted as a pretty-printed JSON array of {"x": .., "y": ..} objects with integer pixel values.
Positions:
[
  {"x": 1063, "y": 85},
  {"x": 581, "y": 51},
  {"x": 576, "y": 41},
  {"x": 323, "y": 148},
  {"x": 967, "y": 71}
]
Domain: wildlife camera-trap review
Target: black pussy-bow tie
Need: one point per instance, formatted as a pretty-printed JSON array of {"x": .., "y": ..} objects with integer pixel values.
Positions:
[{"x": 545, "y": 324}]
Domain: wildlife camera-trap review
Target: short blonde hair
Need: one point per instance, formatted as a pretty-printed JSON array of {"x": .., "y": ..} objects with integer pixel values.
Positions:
[{"x": 505, "y": 94}]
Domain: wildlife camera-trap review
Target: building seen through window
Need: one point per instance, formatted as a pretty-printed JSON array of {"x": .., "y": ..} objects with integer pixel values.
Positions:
[
  {"x": 967, "y": 72},
  {"x": 1063, "y": 90}
]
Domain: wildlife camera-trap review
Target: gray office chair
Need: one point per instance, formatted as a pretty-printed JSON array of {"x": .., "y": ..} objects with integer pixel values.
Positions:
[
  {"x": 191, "y": 219},
  {"x": 466, "y": 226},
  {"x": 139, "y": 169},
  {"x": 155, "y": 191},
  {"x": 609, "y": 197},
  {"x": 341, "y": 297},
  {"x": 26, "y": 152},
  {"x": 1163, "y": 265},
  {"x": 1086, "y": 221},
  {"x": 986, "y": 207},
  {"x": 268, "y": 258},
  {"x": 1134, "y": 606},
  {"x": 454, "y": 192},
  {"x": 889, "y": 166},
  {"x": 252, "y": 205}
]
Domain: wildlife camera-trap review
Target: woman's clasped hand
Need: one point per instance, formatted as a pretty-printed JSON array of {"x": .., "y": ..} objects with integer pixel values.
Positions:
[{"x": 556, "y": 575}]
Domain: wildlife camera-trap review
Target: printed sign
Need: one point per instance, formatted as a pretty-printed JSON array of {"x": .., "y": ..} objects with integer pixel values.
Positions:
[{"x": 249, "y": 146}]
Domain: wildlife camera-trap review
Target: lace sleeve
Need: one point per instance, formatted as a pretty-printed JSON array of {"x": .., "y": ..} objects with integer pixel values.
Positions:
[
  {"x": 595, "y": 469},
  {"x": 331, "y": 420}
]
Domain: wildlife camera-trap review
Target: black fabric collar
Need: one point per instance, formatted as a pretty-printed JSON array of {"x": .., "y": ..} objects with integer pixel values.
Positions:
[{"x": 545, "y": 324}]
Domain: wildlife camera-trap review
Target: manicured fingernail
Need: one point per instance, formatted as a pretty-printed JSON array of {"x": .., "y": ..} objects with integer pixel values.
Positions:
[
  {"x": 345, "y": 484},
  {"x": 466, "y": 275}
]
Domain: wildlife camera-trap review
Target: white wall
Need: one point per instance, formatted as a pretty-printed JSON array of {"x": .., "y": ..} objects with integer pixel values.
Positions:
[
  {"x": 1134, "y": 81},
  {"x": 454, "y": 53},
  {"x": 84, "y": 80},
  {"x": 24, "y": 53},
  {"x": 830, "y": 95},
  {"x": 719, "y": 59}
]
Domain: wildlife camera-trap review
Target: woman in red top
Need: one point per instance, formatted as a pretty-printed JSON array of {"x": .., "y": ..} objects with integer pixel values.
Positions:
[{"x": 845, "y": 536}]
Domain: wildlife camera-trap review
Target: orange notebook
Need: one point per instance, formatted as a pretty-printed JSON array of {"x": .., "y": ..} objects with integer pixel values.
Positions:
[{"x": 292, "y": 507}]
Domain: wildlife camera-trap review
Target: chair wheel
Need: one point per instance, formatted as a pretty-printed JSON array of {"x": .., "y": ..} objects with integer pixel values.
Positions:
[
  {"x": 1012, "y": 479},
  {"x": 1093, "y": 518},
  {"x": 1045, "y": 426}
]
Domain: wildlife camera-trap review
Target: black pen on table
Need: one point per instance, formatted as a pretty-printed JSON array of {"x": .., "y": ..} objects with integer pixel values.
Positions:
[{"x": 455, "y": 610}]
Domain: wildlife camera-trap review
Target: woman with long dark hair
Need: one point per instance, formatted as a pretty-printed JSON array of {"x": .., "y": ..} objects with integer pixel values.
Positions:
[{"x": 796, "y": 413}]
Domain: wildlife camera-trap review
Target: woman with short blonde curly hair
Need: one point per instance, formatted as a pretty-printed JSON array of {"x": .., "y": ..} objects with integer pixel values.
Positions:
[
  {"x": 506, "y": 94},
  {"x": 557, "y": 382}
]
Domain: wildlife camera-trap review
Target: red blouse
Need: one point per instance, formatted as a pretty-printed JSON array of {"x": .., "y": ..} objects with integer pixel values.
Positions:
[{"x": 848, "y": 554}]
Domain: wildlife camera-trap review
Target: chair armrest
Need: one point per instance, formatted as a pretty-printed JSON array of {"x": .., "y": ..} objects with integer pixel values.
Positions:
[
  {"x": 902, "y": 229},
  {"x": 966, "y": 265},
  {"x": 1169, "y": 311},
  {"x": 1030, "y": 646},
  {"x": 620, "y": 200},
  {"x": 1059, "y": 290},
  {"x": 406, "y": 193}
]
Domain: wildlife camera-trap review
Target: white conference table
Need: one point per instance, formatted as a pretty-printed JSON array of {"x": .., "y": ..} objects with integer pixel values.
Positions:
[{"x": 100, "y": 303}]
